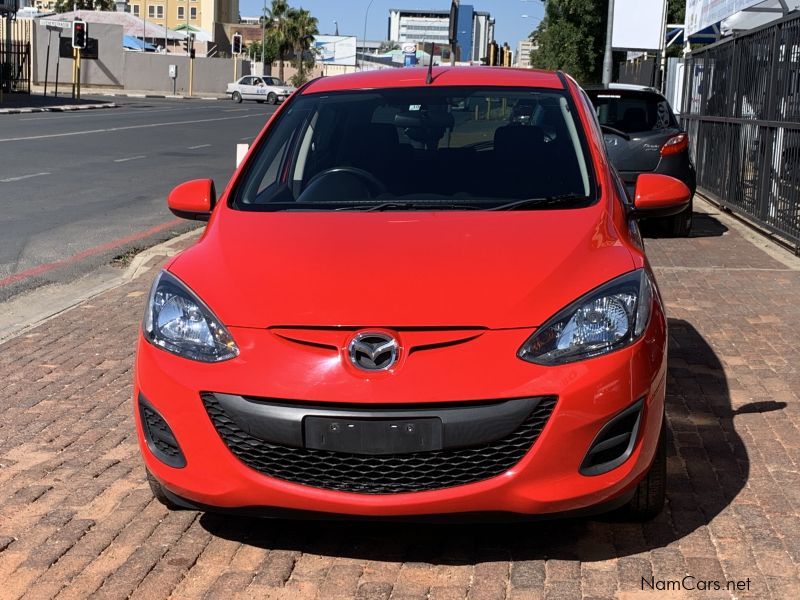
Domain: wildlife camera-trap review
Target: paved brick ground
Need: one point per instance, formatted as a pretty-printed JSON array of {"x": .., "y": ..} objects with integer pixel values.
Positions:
[{"x": 77, "y": 519}]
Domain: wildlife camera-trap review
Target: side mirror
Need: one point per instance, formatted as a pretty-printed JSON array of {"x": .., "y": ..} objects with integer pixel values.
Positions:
[
  {"x": 193, "y": 200},
  {"x": 659, "y": 196}
]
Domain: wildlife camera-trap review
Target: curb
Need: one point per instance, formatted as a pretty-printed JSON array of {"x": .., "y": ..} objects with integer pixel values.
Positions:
[
  {"x": 760, "y": 238},
  {"x": 62, "y": 108},
  {"x": 83, "y": 290},
  {"x": 163, "y": 96}
]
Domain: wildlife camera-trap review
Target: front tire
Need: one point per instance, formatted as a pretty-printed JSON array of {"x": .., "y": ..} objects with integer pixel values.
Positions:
[
  {"x": 159, "y": 494},
  {"x": 679, "y": 225},
  {"x": 236, "y": 97},
  {"x": 272, "y": 98},
  {"x": 648, "y": 499}
]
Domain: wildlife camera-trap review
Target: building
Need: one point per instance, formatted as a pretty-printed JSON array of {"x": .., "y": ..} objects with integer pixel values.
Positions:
[
  {"x": 198, "y": 14},
  {"x": 482, "y": 35},
  {"x": 474, "y": 30},
  {"x": 524, "y": 49}
]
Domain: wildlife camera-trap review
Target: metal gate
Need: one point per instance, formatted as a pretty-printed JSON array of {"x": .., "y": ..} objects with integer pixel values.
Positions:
[
  {"x": 15, "y": 54},
  {"x": 741, "y": 107}
]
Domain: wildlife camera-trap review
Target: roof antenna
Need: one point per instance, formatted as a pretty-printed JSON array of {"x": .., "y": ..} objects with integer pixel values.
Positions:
[{"x": 429, "y": 78}]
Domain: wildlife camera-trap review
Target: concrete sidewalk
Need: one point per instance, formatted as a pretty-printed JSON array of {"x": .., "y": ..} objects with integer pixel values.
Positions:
[
  {"x": 27, "y": 103},
  {"x": 77, "y": 518}
]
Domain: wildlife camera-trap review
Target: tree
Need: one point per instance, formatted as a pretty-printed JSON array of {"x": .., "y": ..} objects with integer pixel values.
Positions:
[
  {"x": 270, "y": 50},
  {"x": 63, "y": 6},
  {"x": 572, "y": 38},
  {"x": 302, "y": 27},
  {"x": 676, "y": 13},
  {"x": 277, "y": 32}
]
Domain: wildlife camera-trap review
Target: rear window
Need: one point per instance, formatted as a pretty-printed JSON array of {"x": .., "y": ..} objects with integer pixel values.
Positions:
[
  {"x": 458, "y": 147},
  {"x": 632, "y": 112}
]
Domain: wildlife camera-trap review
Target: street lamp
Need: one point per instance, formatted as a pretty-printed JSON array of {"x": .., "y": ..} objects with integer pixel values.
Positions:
[{"x": 364, "y": 39}]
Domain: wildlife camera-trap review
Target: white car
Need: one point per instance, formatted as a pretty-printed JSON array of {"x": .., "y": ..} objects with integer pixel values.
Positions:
[{"x": 260, "y": 89}]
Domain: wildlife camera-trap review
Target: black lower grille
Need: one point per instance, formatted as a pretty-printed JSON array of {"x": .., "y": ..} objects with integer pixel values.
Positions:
[
  {"x": 159, "y": 436},
  {"x": 384, "y": 474}
]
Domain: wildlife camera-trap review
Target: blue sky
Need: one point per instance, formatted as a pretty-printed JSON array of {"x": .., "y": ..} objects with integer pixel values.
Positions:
[{"x": 511, "y": 26}]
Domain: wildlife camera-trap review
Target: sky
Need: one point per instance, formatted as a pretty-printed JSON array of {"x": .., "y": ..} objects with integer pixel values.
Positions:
[{"x": 510, "y": 25}]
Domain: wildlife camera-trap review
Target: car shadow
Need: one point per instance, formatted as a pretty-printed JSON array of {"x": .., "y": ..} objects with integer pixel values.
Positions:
[
  {"x": 703, "y": 225},
  {"x": 707, "y": 467}
]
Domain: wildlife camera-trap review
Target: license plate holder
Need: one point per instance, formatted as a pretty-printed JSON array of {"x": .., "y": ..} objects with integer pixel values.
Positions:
[{"x": 373, "y": 436}]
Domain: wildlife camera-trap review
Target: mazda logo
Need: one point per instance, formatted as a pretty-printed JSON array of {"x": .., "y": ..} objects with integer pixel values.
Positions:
[{"x": 373, "y": 351}]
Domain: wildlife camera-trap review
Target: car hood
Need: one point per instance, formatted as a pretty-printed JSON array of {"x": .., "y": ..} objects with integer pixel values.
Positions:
[{"x": 400, "y": 269}]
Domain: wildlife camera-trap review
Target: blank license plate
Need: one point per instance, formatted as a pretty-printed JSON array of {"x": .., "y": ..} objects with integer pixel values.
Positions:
[{"x": 373, "y": 436}]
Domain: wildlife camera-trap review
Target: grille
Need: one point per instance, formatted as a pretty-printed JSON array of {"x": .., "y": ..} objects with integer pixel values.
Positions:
[
  {"x": 159, "y": 437},
  {"x": 385, "y": 474}
]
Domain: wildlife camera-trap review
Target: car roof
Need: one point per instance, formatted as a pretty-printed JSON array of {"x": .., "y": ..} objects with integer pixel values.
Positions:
[
  {"x": 622, "y": 87},
  {"x": 442, "y": 76}
]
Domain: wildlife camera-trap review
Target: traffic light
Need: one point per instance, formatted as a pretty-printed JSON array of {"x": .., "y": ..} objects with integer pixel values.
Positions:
[
  {"x": 188, "y": 45},
  {"x": 236, "y": 44},
  {"x": 80, "y": 33}
]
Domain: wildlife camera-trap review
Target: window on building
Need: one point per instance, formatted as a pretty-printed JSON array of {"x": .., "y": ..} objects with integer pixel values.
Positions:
[
  {"x": 135, "y": 10},
  {"x": 181, "y": 13},
  {"x": 151, "y": 12},
  {"x": 193, "y": 13},
  {"x": 159, "y": 12}
]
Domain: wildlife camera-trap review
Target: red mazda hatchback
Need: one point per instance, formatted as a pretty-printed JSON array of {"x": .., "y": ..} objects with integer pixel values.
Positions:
[{"x": 409, "y": 301}]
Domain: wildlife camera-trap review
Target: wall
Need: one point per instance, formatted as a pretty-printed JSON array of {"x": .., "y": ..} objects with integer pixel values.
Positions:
[
  {"x": 105, "y": 71},
  {"x": 150, "y": 72},
  {"x": 117, "y": 68}
]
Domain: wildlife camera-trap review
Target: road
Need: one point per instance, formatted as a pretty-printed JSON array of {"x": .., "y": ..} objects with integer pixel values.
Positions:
[{"x": 77, "y": 189}]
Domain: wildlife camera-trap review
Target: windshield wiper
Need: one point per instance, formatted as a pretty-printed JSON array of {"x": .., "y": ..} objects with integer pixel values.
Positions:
[
  {"x": 615, "y": 131},
  {"x": 408, "y": 206},
  {"x": 538, "y": 202}
]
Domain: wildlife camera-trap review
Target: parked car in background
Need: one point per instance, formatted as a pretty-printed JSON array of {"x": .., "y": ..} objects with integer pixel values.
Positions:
[
  {"x": 405, "y": 306},
  {"x": 642, "y": 135},
  {"x": 260, "y": 89}
]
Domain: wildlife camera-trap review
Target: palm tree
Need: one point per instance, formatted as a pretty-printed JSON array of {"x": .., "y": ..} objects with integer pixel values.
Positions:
[
  {"x": 302, "y": 27},
  {"x": 278, "y": 23}
]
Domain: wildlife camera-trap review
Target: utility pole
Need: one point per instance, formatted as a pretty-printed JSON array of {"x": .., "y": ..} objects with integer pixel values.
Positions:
[
  {"x": 608, "y": 65},
  {"x": 364, "y": 39}
]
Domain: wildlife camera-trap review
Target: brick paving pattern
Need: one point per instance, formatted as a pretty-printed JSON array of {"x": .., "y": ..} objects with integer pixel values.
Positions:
[{"x": 77, "y": 518}]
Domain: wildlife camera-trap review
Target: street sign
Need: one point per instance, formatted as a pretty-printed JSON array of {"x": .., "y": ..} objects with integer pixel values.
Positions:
[
  {"x": 91, "y": 52},
  {"x": 410, "y": 55},
  {"x": 173, "y": 71},
  {"x": 55, "y": 24}
]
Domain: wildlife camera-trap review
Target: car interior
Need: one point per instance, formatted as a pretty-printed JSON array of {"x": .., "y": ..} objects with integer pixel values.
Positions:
[{"x": 402, "y": 147}]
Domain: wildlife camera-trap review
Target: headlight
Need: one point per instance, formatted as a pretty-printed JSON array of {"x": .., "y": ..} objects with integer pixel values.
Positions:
[
  {"x": 179, "y": 322},
  {"x": 606, "y": 319}
]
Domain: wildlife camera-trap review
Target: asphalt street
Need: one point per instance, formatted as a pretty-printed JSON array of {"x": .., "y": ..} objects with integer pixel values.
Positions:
[{"x": 78, "y": 189}]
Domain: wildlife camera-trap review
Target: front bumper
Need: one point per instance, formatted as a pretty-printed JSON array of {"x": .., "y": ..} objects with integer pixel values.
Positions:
[{"x": 545, "y": 480}]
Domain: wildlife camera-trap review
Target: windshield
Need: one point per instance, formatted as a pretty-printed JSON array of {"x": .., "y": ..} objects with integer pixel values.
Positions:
[
  {"x": 632, "y": 112},
  {"x": 395, "y": 149}
]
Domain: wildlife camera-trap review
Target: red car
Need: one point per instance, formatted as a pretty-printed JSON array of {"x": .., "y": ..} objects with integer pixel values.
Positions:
[{"x": 406, "y": 302}]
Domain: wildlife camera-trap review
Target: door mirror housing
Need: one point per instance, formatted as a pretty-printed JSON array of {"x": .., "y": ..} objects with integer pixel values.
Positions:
[
  {"x": 193, "y": 200},
  {"x": 659, "y": 196}
]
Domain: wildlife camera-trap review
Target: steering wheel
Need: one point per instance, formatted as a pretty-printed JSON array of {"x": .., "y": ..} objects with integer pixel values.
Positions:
[{"x": 376, "y": 185}]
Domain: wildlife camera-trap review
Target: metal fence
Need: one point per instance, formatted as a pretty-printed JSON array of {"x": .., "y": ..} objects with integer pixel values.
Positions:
[
  {"x": 15, "y": 55},
  {"x": 741, "y": 107}
]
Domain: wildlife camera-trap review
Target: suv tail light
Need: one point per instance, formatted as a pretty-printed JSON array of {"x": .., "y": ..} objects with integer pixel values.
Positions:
[{"x": 675, "y": 144}]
